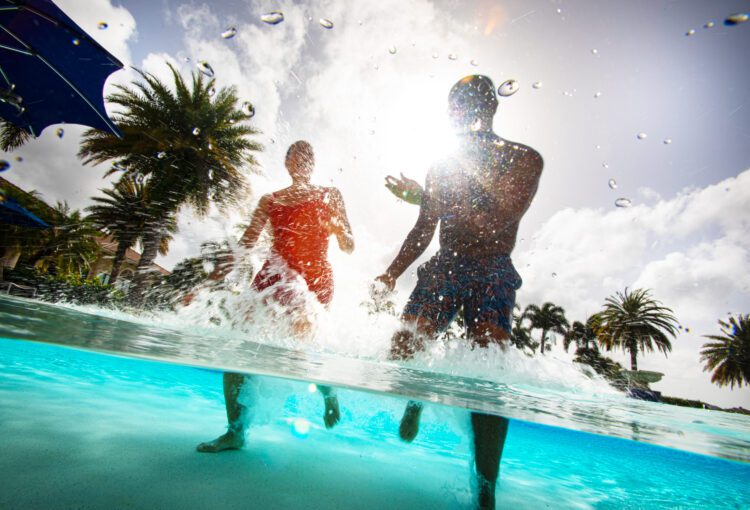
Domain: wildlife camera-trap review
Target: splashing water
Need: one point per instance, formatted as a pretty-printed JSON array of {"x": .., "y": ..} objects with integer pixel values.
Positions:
[
  {"x": 229, "y": 33},
  {"x": 623, "y": 202},
  {"x": 273, "y": 17},
  {"x": 205, "y": 68},
  {"x": 508, "y": 88},
  {"x": 326, "y": 23}
]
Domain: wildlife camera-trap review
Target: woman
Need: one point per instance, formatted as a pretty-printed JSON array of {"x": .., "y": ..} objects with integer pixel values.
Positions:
[{"x": 301, "y": 218}]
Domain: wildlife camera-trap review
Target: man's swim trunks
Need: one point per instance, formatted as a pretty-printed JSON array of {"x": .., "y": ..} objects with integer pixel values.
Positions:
[
  {"x": 300, "y": 246},
  {"x": 485, "y": 287}
]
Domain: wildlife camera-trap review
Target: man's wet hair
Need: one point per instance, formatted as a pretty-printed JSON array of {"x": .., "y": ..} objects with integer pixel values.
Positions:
[{"x": 472, "y": 96}]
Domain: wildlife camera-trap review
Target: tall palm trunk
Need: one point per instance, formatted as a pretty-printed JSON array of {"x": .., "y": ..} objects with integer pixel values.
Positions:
[
  {"x": 122, "y": 248},
  {"x": 541, "y": 342},
  {"x": 633, "y": 356}
]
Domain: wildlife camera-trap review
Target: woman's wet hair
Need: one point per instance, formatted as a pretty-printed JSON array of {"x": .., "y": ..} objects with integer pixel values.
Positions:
[
  {"x": 302, "y": 146},
  {"x": 473, "y": 96}
]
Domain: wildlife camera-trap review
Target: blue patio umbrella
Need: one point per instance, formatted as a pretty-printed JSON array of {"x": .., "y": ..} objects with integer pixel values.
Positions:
[
  {"x": 51, "y": 71},
  {"x": 12, "y": 213}
]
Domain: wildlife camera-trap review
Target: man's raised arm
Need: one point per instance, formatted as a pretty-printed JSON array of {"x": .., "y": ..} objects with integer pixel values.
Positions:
[{"x": 417, "y": 240}]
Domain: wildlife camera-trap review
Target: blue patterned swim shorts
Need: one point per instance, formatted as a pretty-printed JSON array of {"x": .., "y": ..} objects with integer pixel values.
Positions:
[{"x": 485, "y": 287}]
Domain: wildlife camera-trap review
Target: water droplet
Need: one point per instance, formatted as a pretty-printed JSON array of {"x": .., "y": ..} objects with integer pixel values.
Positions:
[
  {"x": 536, "y": 85},
  {"x": 690, "y": 32},
  {"x": 508, "y": 88},
  {"x": 667, "y": 141},
  {"x": 440, "y": 298},
  {"x": 19, "y": 158},
  {"x": 710, "y": 24},
  {"x": 605, "y": 165},
  {"x": 229, "y": 33},
  {"x": 205, "y": 68},
  {"x": 273, "y": 17},
  {"x": 612, "y": 184},
  {"x": 559, "y": 11},
  {"x": 326, "y": 23},
  {"x": 161, "y": 155},
  {"x": 474, "y": 62},
  {"x": 211, "y": 91},
  {"x": 642, "y": 136},
  {"x": 102, "y": 25},
  {"x": 623, "y": 202},
  {"x": 435, "y": 55},
  {"x": 594, "y": 51},
  {"x": 554, "y": 275},
  {"x": 598, "y": 147},
  {"x": 186, "y": 59},
  {"x": 300, "y": 428},
  {"x": 392, "y": 50},
  {"x": 76, "y": 41},
  {"x": 736, "y": 19},
  {"x": 248, "y": 109},
  {"x": 4, "y": 165},
  {"x": 60, "y": 132},
  {"x": 687, "y": 330},
  {"x": 139, "y": 178},
  {"x": 196, "y": 131},
  {"x": 210, "y": 174},
  {"x": 452, "y": 56},
  {"x": 597, "y": 95},
  {"x": 312, "y": 388}
]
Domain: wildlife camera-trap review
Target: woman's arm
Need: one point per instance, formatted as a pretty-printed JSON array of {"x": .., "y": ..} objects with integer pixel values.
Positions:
[{"x": 340, "y": 222}]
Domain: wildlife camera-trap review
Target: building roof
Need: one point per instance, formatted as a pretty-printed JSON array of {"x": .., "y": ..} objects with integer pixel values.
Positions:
[{"x": 109, "y": 246}]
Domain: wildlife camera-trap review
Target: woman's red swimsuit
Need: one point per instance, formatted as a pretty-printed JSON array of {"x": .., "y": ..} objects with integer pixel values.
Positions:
[{"x": 300, "y": 240}]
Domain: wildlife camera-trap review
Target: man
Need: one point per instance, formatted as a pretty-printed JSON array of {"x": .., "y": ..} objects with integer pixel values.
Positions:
[
  {"x": 478, "y": 196},
  {"x": 301, "y": 218}
]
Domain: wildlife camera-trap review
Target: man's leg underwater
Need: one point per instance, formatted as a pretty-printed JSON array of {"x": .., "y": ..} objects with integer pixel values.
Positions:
[
  {"x": 404, "y": 345},
  {"x": 237, "y": 417},
  {"x": 331, "y": 415}
]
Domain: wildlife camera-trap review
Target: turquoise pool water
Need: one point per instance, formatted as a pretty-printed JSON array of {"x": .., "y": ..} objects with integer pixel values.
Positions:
[{"x": 84, "y": 429}]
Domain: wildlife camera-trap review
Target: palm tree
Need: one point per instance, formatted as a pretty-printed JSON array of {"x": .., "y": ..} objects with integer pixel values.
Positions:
[
  {"x": 191, "y": 142},
  {"x": 583, "y": 334},
  {"x": 12, "y": 136},
  {"x": 550, "y": 318},
  {"x": 123, "y": 213},
  {"x": 729, "y": 355},
  {"x": 633, "y": 322},
  {"x": 69, "y": 247},
  {"x": 520, "y": 336}
]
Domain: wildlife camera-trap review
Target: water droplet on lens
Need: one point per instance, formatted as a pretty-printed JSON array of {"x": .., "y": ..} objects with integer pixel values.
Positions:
[
  {"x": 554, "y": 275},
  {"x": 667, "y": 141},
  {"x": 248, "y": 109},
  {"x": 605, "y": 165},
  {"x": 139, "y": 178},
  {"x": 161, "y": 155},
  {"x": 623, "y": 202},
  {"x": 19, "y": 158},
  {"x": 440, "y": 298},
  {"x": 4, "y": 165},
  {"x": 736, "y": 19},
  {"x": 196, "y": 131},
  {"x": 211, "y": 91},
  {"x": 392, "y": 50},
  {"x": 435, "y": 55},
  {"x": 186, "y": 59},
  {"x": 205, "y": 68},
  {"x": 273, "y": 17},
  {"x": 594, "y": 51},
  {"x": 326, "y": 23},
  {"x": 60, "y": 132},
  {"x": 642, "y": 136},
  {"x": 690, "y": 32},
  {"x": 597, "y": 95},
  {"x": 598, "y": 147},
  {"x": 76, "y": 41},
  {"x": 536, "y": 85},
  {"x": 710, "y": 24},
  {"x": 102, "y": 25},
  {"x": 612, "y": 184},
  {"x": 508, "y": 88},
  {"x": 210, "y": 174},
  {"x": 559, "y": 11},
  {"x": 452, "y": 56},
  {"x": 474, "y": 62},
  {"x": 229, "y": 33}
]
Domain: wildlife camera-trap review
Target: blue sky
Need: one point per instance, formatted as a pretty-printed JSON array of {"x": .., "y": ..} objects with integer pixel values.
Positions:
[{"x": 369, "y": 113}]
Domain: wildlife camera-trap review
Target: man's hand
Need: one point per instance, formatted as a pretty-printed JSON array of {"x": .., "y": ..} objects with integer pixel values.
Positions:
[
  {"x": 387, "y": 280},
  {"x": 404, "y": 188}
]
